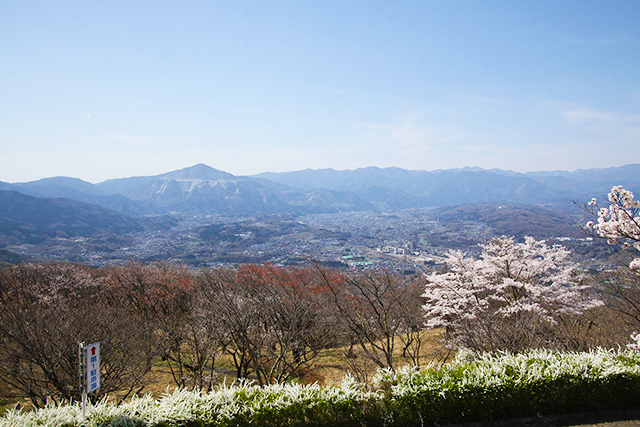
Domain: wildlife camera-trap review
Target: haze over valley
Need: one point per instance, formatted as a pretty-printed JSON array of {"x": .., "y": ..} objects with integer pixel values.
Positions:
[{"x": 391, "y": 217}]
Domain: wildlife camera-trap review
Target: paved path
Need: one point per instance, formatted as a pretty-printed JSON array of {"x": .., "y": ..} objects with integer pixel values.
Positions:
[
  {"x": 634, "y": 423},
  {"x": 619, "y": 418}
]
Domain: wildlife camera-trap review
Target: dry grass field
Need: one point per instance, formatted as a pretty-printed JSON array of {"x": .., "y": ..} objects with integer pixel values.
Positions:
[{"x": 329, "y": 368}]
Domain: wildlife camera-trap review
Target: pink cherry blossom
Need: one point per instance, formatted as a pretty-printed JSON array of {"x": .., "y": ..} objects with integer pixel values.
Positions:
[
  {"x": 620, "y": 222},
  {"x": 513, "y": 286}
]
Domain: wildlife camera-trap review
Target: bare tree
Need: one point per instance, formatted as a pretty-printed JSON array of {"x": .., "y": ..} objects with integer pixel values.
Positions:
[
  {"x": 232, "y": 308},
  {"x": 412, "y": 330},
  {"x": 194, "y": 348},
  {"x": 45, "y": 311},
  {"x": 163, "y": 299},
  {"x": 378, "y": 308},
  {"x": 621, "y": 293},
  {"x": 274, "y": 318}
]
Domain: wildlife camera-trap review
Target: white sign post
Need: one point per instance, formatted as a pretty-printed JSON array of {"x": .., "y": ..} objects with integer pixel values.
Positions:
[
  {"x": 93, "y": 366},
  {"x": 89, "y": 370}
]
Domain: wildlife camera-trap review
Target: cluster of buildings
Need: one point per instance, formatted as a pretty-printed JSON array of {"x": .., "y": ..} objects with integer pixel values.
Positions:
[{"x": 406, "y": 241}]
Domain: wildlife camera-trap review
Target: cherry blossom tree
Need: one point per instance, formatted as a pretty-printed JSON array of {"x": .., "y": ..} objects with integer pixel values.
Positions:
[
  {"x": 619, "y": 223},
  {"x": 509, "y": 299}
]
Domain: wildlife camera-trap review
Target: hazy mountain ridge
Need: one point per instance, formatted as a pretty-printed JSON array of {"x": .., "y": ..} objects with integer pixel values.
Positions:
[
  {"x": 587, "y": 183},
  {"x": 468, "y": 185},
  {"x": 30, "y": 217},
  {"x": 201, "y": 189},
  {"x": 200, "y": 172},
  {"x": 65, "y": 229},
  {"x": 83, "y": 191},
  {"x": 67, "y": 218},
  {"x": 422, "y": 188}
]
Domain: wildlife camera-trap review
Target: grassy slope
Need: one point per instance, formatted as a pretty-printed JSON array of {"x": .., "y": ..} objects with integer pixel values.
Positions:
[{"x": 329, "y": 369}]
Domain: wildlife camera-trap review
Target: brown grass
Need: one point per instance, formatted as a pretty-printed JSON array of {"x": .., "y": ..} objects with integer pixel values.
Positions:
[{"x": 330, "y": 367}]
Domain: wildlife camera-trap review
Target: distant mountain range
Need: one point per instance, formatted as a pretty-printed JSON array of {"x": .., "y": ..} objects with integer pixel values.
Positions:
[
  {"x": 204, "y": 190},
  {"x": 196, "y": 190},
  {"x": 65, "y": 208},
  {"x": 399, "y": 188}
]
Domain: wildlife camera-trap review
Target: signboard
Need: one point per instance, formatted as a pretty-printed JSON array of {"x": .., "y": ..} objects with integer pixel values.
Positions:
[{"x": 92, "y": 354}]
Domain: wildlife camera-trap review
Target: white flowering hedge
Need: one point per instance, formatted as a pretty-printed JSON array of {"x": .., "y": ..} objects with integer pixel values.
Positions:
[{"x": 489, "y": 387}]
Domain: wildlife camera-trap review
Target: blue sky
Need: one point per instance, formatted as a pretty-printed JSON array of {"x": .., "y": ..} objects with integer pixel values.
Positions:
[{"x": 99, "y": 90}]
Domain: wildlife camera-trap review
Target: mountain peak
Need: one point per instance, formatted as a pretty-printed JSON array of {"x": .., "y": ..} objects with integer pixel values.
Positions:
[{"x": 199, "y": 171}]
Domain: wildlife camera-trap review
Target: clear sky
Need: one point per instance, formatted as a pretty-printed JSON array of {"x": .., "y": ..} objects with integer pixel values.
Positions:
[{"x": 109, "y": 89}]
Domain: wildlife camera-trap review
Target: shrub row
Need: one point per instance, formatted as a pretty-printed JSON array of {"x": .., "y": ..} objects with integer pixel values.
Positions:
[{"x": 485, "y": 388}]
